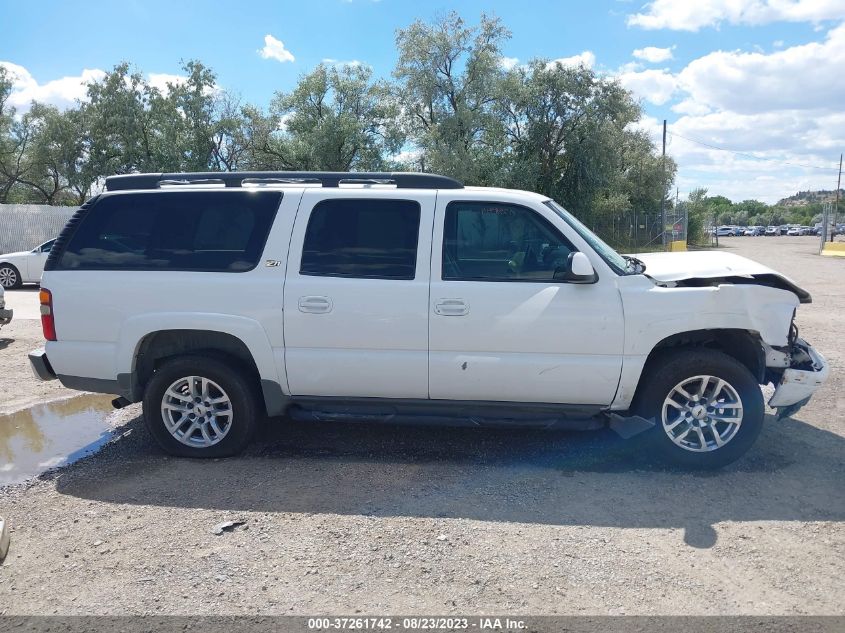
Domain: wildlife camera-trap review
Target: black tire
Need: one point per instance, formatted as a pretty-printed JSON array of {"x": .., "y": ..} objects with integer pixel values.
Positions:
[
  {"x": 239, "y": 384},
  {"x": 670, "y": 369},
  {"x": 11, "y": 271}
]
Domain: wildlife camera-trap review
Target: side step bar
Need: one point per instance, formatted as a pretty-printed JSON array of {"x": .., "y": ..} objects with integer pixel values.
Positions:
[{"x": 301, "y": 414}]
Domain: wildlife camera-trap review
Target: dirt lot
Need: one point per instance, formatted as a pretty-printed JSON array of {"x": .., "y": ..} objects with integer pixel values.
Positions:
[{"x": 375, "y": 520}]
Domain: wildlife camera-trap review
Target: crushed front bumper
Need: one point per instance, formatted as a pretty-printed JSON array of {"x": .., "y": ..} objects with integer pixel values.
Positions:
[{"x": 799, "y": 381}]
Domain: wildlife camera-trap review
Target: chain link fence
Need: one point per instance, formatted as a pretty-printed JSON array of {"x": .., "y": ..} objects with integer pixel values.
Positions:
[
  {"x": 642, "y": 233},
  {"x": 25, "y": 226}
]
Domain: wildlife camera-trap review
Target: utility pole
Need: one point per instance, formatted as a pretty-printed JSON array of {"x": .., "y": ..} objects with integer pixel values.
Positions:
[
  {"x": 836, "y": 208},
  {"x": 663, "y": 191}
]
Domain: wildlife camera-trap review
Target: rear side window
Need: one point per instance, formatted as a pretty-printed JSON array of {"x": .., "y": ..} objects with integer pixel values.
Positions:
[
  {"x": 196, "y": 231},
  {"x": 374, "y": 239}
]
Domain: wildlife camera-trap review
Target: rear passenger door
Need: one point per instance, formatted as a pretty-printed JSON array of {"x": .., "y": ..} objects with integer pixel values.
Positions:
[{"x": 356, "y": 294}]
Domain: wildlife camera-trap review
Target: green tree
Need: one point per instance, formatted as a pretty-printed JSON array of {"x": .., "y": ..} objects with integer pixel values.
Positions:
[
  {"x": 699, "y": 215},
  {"x": 448, "y": 76},
  {"x": 335, "y": 119},
  {"x": 135, "y": 126},
  {"x": 185, "y": 118},
  {"x": 16, "y": 138},
  {"x": 570, "y": 137},
  {"x": 230, "y": 144}
]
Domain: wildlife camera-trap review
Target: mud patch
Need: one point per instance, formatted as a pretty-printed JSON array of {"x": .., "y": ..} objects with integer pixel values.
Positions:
[{"x": 49, "y": 435}]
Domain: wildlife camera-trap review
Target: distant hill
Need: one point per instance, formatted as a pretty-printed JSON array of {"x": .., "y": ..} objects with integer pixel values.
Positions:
[{"x": 803, "y": 198}]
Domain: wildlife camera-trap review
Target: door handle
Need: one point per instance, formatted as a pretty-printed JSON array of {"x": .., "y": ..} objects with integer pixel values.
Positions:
[
  {"x": 315, "y": 305},
  {"x": 451, "y": 307}
]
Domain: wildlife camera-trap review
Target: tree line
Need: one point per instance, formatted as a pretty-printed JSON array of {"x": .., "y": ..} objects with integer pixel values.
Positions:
[{"x": 449, "y": 107}]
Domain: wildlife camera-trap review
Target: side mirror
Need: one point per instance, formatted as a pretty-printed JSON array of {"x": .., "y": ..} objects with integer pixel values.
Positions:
[{"x": 578, "y": 270}]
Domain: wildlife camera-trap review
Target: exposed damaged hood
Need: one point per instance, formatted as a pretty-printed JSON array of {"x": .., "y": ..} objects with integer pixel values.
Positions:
[{"x": 697, "y": 268}]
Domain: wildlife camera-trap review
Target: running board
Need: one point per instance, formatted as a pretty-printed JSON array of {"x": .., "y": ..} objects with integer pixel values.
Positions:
[{"x": 302, "y": 414}]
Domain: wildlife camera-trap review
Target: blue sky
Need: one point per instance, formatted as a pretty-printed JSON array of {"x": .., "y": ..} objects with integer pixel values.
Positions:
[{"x": 753, "y": 76}]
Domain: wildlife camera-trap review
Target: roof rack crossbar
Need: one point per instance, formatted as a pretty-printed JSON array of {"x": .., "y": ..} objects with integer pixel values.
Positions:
[{"x": 402, "y": 180}]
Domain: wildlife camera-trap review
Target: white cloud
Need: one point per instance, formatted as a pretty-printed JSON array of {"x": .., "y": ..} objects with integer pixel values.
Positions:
[
  {"x": 275, "y": 49},
  {"x": 408, "y": 156},
  {"x": 655, "y": 86},
  {"x": 653, "y": 54},
  {"x": 160, "y": 80},
  {"x": 799, "y": 77},
  {"x": 62, "y": 92},
  {"x": 283, "y": 121},
  {"x": 690, "y": 106},
  {"x": 779, "y": 115},
  {"x": 685, "y": 15},
  {"x": 587, "y": 58},
  {"x": 354, "y": 63},
  {"x": 737, "y": 176},
  {"x": 508, "y": 63}
]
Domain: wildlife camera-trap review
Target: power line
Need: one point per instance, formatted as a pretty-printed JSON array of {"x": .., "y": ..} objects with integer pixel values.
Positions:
[{"x": 747, "y": 155}]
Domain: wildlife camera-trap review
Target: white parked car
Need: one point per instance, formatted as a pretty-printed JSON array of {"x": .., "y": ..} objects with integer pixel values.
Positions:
[
  {"x": 24, "y": 267},
  {"x": 5, "y": 315},
  {"x": 407, "y": 298}
]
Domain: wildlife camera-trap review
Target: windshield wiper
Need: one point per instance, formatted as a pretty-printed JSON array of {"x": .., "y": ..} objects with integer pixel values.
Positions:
[{"x": 639, "y": 266}]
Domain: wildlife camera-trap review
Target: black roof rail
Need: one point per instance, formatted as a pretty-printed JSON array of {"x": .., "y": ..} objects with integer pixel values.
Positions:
[{"x": 402, "y": 180}]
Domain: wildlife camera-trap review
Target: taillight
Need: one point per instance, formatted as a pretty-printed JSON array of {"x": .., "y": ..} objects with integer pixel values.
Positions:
[{"x": 48, "y": 325}]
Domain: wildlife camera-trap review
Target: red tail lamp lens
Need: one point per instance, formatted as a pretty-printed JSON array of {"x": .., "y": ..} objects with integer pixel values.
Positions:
[{"x": 48, "y": 325}]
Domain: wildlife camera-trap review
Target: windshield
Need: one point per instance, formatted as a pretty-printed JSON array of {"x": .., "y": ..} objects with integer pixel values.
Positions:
[{"x": 620, "y": 264}]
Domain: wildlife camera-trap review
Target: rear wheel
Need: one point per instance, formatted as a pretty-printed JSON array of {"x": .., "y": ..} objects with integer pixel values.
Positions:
[
  {"x": 197, "y": 406},
  {"x": 707, "y": 407},
  {"x": 10, "y": 277}
]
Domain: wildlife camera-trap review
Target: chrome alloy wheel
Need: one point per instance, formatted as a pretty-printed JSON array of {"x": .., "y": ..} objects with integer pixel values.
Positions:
[
  {"x": 702, "y": 413},
  {"x": 8, "y": 277},
  {"x": 196, "y": 411}
]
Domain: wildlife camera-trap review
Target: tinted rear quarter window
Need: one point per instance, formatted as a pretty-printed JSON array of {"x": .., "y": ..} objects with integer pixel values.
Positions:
[
  {"x": 374, "y": 239},
  {"x": 196, "y": 231}
]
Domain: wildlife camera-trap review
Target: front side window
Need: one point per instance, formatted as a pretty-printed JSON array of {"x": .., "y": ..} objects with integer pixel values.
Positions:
[
  {"x": 489, "y": 241},
  {"x": 370, "y": 239},
  {"x": 196, "y": 231}
]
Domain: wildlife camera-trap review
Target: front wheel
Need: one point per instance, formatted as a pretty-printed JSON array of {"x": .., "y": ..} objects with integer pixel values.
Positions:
[
  {"x": 707, "y": 407},
  {"x": 197, "y": 406}
]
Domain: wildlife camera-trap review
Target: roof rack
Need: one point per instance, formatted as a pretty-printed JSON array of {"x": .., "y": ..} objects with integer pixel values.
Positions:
[{"x": 402, "y": 180}]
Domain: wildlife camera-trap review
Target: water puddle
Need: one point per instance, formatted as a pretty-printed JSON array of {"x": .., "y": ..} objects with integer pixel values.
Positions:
[{"x": 54, "y": 434}]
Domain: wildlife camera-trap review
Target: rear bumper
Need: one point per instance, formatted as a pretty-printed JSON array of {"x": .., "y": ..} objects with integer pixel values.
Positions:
[
  {"x": 800, "y": 381},
  {"x": 40, "y": 365},
  {"x": 5, "y": 316}
]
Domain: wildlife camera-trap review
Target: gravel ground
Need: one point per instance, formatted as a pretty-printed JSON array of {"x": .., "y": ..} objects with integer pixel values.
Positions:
[{"x": 383, "y": 520}]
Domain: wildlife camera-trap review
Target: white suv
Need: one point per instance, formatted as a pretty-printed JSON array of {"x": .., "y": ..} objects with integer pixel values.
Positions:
[{"x": 217, "y": 299}]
